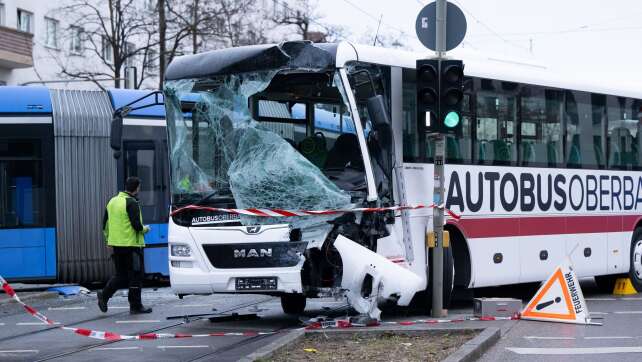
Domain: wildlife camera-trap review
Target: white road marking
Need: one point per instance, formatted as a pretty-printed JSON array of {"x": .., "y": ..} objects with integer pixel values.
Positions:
[
  {"x": 139, "y": 321},
  {"x": 598, "y": 313},
  {"x": 119, "y": 307},
  {"x": 578, "y": 350},
  {"x": 169, "y": 347},
  {"x": 552, "y": 338},
  {"x": 66, "y": 308},
  {"x": 598, "y": 299},
  {"x": 192, "y": 305},
  {"x": 1, "y": 324},
  {"x": 116, "y": 348},
  {"x": 629, "y": 312},
  {"x": 34, "y": 324},
  {"x": 22, "y": 351},
  {"x": 632, "y": 298},
  {"x": 609, "y": 337}
]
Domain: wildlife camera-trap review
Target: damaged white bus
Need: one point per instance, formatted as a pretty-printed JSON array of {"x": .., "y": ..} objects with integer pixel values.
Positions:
[{"x": 543, "y": 165}]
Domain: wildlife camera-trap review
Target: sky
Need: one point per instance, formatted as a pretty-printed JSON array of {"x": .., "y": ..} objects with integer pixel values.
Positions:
[{"x": 579, "y": 36}]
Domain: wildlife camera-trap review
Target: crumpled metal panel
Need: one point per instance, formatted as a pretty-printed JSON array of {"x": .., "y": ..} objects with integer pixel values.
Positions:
[{"x": 85, "y": 175}]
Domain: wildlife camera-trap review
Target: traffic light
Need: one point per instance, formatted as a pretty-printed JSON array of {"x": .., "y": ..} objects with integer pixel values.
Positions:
[
  {"x": 451, "y": 76},
  {"x": 428, "y": 94}
]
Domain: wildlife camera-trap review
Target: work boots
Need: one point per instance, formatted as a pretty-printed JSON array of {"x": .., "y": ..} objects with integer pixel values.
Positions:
[
  {"x": 102, "y": 302},
  {"x": 135, "y": 304}
]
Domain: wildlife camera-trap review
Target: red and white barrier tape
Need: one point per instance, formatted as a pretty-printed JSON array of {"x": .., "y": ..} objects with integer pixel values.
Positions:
[
  {"x": 110, "y": 336},
  {"x": 323, "y": 324},
  {"x": 347, "y": 323},
  {"x": 290, "y": 213}
]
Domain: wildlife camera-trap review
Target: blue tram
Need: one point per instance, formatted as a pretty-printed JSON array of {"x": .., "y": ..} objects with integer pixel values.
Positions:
[{"x": 57, "y": 172}]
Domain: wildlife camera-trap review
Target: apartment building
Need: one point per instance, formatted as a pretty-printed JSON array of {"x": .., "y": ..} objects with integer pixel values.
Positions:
[{"x": 36, "y": 42}]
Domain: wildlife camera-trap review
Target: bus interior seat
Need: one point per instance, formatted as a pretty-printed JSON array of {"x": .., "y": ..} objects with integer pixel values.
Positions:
[
  {"x": 453, "y": 150},
  {"x": 345, "y": 152},
  {"x": 551, "y": 153},
  {"x": 501, "y": 151},
  {"x": 597, "y": 147},
  {"x": 528, "y": 152},
  {"x": 574, "y": 155},
  {"x": 314, "y": 149}
]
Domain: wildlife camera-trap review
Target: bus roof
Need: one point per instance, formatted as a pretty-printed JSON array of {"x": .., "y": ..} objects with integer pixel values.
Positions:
[
  {"x": 121, "y": 97},
  {"x": 19, "y": 100},
  {"x": 495, "y": 67},
  {"x": 270, "y": 56}
]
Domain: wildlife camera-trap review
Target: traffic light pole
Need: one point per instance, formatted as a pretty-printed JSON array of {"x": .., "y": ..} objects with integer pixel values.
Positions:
[{"x": 438, "y": 182}]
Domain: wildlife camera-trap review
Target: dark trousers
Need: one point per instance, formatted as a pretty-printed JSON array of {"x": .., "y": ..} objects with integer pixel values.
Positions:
[{"x": 130, "y": 270}]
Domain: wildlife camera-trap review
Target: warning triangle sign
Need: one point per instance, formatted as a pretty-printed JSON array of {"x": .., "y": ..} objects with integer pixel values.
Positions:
[{"x": 559, "y": 299}]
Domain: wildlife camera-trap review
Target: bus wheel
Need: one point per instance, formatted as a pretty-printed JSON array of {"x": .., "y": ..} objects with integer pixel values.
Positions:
[
  {"x": 293, "y": 303},
  {"x": 635, "y": 269},
  {"x": 449, "y": 277}
]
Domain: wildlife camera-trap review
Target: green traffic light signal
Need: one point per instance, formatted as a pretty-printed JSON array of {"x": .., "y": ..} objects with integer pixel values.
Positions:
[{"x": 451, "y": 120}]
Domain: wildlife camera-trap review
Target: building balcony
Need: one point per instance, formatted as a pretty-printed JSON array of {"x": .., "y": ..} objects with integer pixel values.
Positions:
[{"x": 16, "y": 49}]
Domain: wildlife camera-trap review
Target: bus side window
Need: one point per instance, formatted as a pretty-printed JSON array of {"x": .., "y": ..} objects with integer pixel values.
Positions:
[
  {"x": 622, "y": 133},
  {"x": 585, "y": 115},
  {"x": 496, "y": 122},
  {"x": 540, "y": 127}
]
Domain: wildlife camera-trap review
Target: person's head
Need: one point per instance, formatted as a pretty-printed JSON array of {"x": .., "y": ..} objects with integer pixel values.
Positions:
[{"x": 132, "y": 185}]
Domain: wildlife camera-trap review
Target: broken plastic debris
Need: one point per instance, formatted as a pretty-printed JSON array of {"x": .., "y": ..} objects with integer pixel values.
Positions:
[
  {"x": 310, "y": 350},
  {"x": 369, "y": 277}
]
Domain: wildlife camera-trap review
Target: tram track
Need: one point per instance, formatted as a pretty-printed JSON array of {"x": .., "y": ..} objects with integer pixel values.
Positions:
[{"x": 173, "y": 325}]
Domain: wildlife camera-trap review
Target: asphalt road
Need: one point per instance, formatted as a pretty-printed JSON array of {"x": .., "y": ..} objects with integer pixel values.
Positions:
[{"x": 23, "y": 339}]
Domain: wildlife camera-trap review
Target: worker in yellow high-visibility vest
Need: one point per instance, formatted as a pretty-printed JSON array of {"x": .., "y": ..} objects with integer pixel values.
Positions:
[{"x": 124, "y": 231}]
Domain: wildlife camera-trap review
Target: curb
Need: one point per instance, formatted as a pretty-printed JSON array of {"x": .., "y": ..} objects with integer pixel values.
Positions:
[
  {"x": 474, "y": 348},
  {"x": 30, "y": 297},
  {"x": 469, "y": 351},
  {"x": 267, "y": 350}
]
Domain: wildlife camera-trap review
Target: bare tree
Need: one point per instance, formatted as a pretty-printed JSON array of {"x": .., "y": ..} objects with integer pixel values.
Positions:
[
  {"x": 307, "y": 22},
  {"x": 115, "y": 32}
]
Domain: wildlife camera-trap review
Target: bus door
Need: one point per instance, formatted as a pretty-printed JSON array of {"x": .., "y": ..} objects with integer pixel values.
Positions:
[{"x": 144, "y": 159}]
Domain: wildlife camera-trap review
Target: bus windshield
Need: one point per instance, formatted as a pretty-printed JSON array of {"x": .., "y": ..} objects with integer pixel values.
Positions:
[{"x": 269, "y": 139}]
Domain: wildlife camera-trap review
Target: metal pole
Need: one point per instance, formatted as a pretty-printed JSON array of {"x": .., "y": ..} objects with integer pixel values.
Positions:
[{"x": 438, "y": 188}]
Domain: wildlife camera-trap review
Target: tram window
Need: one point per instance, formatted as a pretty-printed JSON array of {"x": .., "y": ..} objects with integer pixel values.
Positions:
[
  {"x": 585, "y": 114},
  {"x": 139, "y": 162},
  {"x": 622, "y": 133},
  {"x": 496, "y": 118},
  {"x": 22, "y": 188},
  {"x": 540, "y": 127}
]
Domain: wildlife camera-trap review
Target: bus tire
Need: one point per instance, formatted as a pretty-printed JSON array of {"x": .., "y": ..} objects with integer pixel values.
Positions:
[
  {"x": 449, "y": 277},
  {"x": 635, "y": 265},
  {"x": 293, "y": 303}
]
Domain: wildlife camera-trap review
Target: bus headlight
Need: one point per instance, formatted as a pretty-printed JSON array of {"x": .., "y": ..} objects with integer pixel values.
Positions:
[{"x": 181, "y": 250}]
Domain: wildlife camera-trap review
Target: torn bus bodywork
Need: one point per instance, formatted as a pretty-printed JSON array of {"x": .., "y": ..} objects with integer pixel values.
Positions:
[{"x": 282, "y": 127}]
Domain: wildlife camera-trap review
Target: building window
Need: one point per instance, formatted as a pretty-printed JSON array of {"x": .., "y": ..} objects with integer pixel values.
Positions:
[
  {"x": 51, "y": 37},
  {"x": 107, "y": 50},
  {"x": 151, "y": 65},
  {"x": 76, "y": 44},
  {"x": 150, "y": 5},
  {"x": 25, "y": 21},
  {"x": 2, "y": 21},
  {"x": 130, "y": 53}
]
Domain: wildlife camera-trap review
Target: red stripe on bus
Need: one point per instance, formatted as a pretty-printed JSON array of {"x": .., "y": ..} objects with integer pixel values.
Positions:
[{"x": 545, "y": 225}]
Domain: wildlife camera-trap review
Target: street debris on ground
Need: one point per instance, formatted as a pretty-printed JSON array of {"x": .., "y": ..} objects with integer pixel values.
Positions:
[{"x": 387, "y": 346}]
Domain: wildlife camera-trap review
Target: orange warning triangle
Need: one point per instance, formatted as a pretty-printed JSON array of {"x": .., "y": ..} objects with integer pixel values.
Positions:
[{"x": 552, "y": 301}]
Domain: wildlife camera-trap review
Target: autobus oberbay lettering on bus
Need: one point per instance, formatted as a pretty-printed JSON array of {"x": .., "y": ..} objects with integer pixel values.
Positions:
[{"x": 544, "y": 167}]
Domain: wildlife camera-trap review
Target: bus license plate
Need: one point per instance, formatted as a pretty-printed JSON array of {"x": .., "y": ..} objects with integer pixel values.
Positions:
[{"x": 256, "y": 283}]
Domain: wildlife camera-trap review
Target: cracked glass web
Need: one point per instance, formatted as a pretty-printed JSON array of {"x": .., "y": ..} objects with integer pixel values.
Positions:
[{"x": 219, "y": 147}]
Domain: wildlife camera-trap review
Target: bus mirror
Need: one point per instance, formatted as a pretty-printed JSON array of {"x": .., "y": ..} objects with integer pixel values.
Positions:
[
  {"x": 380, "y": 122},
  {"x": 116, "y": 135}
]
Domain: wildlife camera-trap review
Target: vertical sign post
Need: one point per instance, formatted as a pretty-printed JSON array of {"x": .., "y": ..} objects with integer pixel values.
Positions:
[{"x": 440, "y": 26}]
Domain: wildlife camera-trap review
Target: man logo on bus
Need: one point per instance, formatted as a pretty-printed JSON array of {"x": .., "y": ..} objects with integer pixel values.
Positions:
[
  {"x": 252, "y": 253},
  {"x": 253, "y": 229}
]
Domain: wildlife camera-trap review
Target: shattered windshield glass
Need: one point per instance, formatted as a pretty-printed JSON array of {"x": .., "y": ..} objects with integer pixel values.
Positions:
[{"x": 269, "y": 139}]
